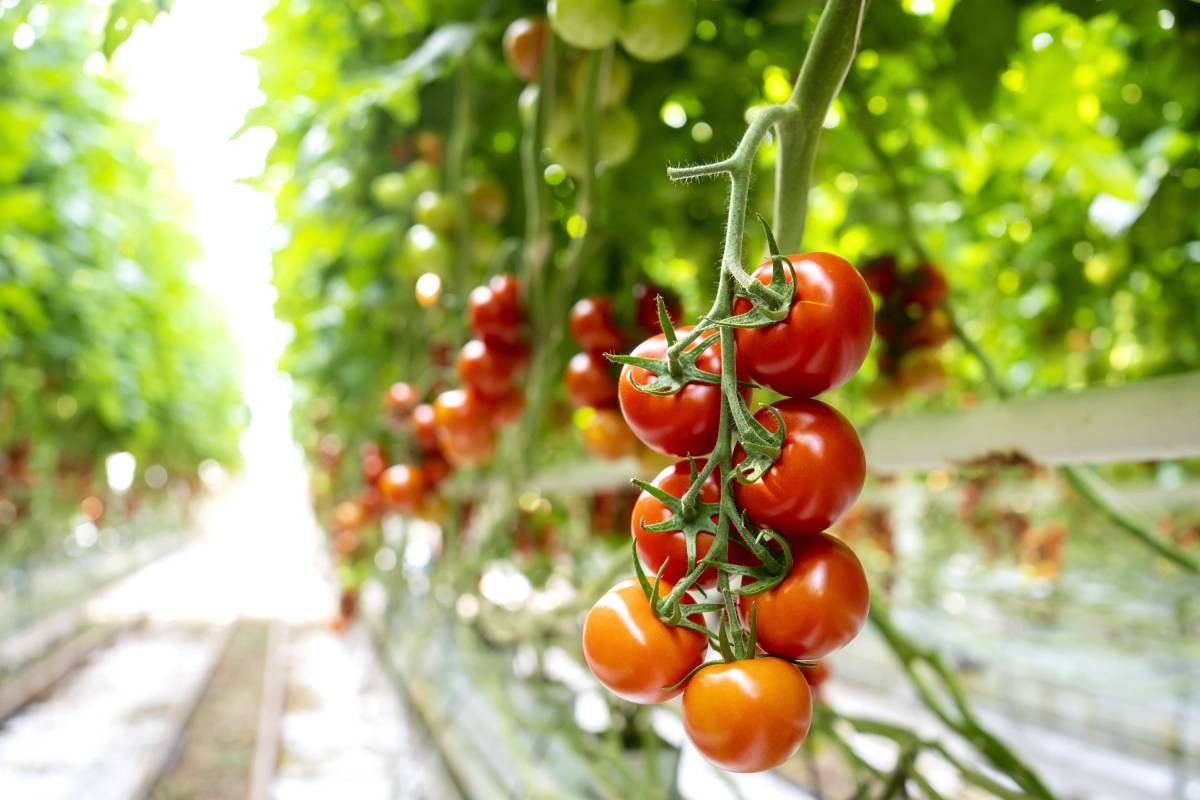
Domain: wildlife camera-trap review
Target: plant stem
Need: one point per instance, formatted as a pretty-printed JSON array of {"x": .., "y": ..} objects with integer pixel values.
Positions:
[
  {"x": 825, "y": 66},
  {"x": 456, "y": 159}
]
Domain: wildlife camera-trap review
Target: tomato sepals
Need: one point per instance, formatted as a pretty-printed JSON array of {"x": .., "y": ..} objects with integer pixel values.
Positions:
[
  {"x": 762, "y": 446},
  {"x": 675, "y": 371},
  {"x": 770, "y": 302}
]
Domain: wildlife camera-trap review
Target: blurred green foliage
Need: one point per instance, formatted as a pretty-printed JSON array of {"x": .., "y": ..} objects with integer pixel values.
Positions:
[
  {"x": 1046, "y": 154},
  {"x": 105, "y": 343}
]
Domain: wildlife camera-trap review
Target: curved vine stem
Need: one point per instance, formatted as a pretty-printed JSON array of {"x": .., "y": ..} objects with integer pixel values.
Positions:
[{"x": 821, "y": 76}]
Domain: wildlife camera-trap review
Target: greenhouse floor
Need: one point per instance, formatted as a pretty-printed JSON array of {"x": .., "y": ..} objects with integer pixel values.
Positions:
[{"x": 213, "y": 672}]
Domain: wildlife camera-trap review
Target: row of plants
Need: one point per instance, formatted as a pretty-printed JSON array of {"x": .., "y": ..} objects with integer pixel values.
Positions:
[
  {"x": 106, "y": 345},
  {"x": 480, "y": 218}
]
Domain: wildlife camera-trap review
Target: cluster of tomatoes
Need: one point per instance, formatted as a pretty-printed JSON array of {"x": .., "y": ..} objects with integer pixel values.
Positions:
[
  {"x": 912, "y": 324},
  {"x": 648, "y": 30},
  {"x": 591, "y": 380},
  {"x": 457, "y": 429},
  {"x": 412, "y": 191},
  {"x": 752, "y": 713}
]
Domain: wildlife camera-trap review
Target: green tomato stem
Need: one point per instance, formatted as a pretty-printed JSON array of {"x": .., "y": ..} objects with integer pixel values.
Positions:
[{"x": 821, "y": 76}]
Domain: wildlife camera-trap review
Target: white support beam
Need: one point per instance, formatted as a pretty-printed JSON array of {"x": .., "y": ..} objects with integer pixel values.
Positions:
[{"x": 1151, "y": 419}]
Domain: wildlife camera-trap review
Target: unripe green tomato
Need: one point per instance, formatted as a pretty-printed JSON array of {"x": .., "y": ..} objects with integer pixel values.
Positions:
[
  {"x": 390, "y": 191},
  {"x": 618, "y": 135},
  {"x": 617, "y": 139},
  {"x": 425, "y": 250},
  {"x": 654, "y": 30},
  {"x": 614, "y": 85},
  {"x": 422, "y": 177},
  {"x": 435, "y": 211},
  {"x": 587, "y": 24},
  {"x": 485, "y": 244}
]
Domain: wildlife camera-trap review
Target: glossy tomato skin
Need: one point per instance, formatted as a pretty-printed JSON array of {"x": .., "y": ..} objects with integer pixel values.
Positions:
[
  {"x": 816, "y": 675},
  {"x": 402, "y": 486},
  {"x": 400, "y": 397},
  {"x": 464, "y": 432},
  {"x": 487, "y": 369},
  {"x": 926, "y": 286},
  {"x": 656, "y": 548},
  {"x": 681, "y": 424},
  {"x": 634, "y": 654},
  {"x": 607, "y": 437},
  {"x": 824, "y": 338},
  {"x": 508, "y": 409},
  {"x": 494, "y": 311},
  {"x": 592, "y": 326},
  {"x": 524, "y": 44},
  {"x": 424, "y": 427},
  {"x": 749, "y": 715},
  {"x": 817, "y": 477},
  {"x": 590, "y": 382},
  {"x": 818, "y": 608}
]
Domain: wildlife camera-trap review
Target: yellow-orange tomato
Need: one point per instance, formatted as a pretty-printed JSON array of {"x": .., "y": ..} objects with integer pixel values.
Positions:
[
  {"x": 606, "y": 436},
  {"x": 633, "y": 653},
  {"x": 428, "y": 289},
  {"x": 507, "y": 410},
  {"x": 403, "y": 486},
  {"x": 400, "y": 397},
  {"x": 748, "y": 716},
  {"x": 819, "y": 607},
  {"x": 349, "y": 515},
  {"x": 464, "y": 431}
]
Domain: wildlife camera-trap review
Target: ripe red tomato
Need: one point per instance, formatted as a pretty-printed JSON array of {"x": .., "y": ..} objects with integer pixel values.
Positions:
[
  {"x": 607, "y": 437},
  {"x": 931, "y": 330},
  {"x": 524, "y": 44},
  {"x": 495, "y": 311},
  {"x": 681, "y": 424},
  {"x": 464, "y": 434},
  {"x": 632, "y": 652},
  {"x": 817, "y": 477},
  {"x": 435, "y": 469},
  {"x": 424, "y": 427},
  {"x": 824, "y": 338},
  {"x": 818, "y": 608},
  {"x": 402, "y": 486},
  {"x": 400, "y": 397},
  {"x": 749, "y": 715},
  {"x": 372, "y": 464},
  {"x": 816, "y": 675},
  {"x": 507, "y": 410},
  {"x": 592, "y": 326},
  {"x": 589, "y": 381},
  {"x": 655, "y": 548},
  {"x": 880, "y": 274},
  {"x": 926, "y": 286},
  {"x": 645, "y": 296},
  {"x": 486, "y": 369}
]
